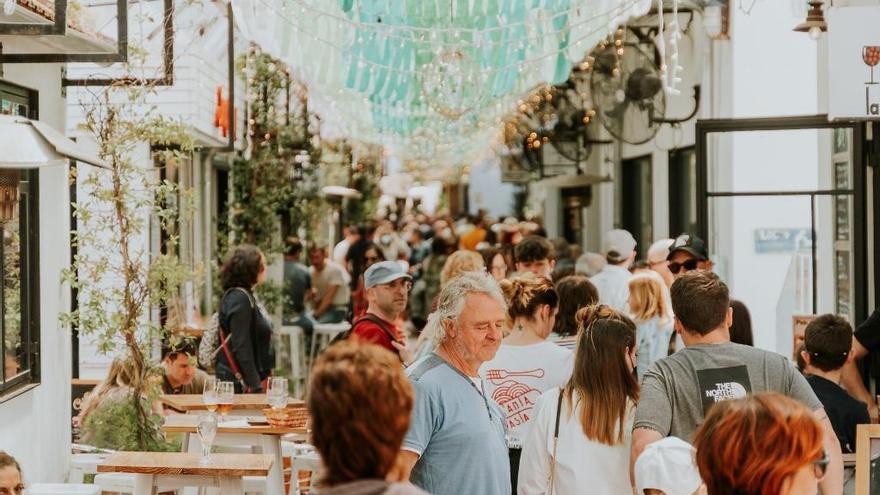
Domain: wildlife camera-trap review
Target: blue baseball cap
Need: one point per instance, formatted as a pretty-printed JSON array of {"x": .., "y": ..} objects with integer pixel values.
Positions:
[{"x": 384, "y": 272}]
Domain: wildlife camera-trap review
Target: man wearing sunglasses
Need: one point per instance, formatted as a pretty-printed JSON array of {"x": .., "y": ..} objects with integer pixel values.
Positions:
[
  {"x": 688, "y": 253},
  {"x": 387, "y": 285}
]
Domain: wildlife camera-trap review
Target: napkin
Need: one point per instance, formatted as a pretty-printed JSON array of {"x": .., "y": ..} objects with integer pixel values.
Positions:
[{"x": 234, "y": 423}]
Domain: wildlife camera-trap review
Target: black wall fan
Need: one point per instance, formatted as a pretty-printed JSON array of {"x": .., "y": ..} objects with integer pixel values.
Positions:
[{"x": 629, "y": 102}]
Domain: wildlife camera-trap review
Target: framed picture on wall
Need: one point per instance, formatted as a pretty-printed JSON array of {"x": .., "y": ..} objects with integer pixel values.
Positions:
[{"x": 868, "y": 460}]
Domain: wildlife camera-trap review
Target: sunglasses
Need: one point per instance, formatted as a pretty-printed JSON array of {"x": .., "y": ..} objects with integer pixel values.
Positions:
[
  {"x": 820, "y": 466},
  {"x": 688, "y": 265}
]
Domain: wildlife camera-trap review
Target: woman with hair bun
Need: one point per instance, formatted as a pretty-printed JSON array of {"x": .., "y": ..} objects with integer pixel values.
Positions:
[
  {"x": 581, "y": 435},
  {"x": 765, "y": 444},
  {"x": 526, "y": 364}
]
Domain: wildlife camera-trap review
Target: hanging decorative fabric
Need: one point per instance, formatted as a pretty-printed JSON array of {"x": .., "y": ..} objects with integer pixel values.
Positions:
[{"x": 432, "y": 77}]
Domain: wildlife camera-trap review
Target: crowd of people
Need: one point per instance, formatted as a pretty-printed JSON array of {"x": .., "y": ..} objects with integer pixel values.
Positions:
[
  {"x": 484, "y": 358},
  {"x": 538, "y": 368}
]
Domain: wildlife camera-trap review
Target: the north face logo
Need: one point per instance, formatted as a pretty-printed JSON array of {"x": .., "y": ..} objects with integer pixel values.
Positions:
[
  {"x": 718, "y": 384},
  {"x": 727, "y": 391}
]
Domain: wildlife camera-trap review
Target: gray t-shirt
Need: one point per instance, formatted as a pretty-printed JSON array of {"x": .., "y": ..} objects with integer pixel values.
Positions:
[
  {"x": 458, "y": 433},
  {"x": 677, "y": 390},
  {"x": 331, "y": 275}
]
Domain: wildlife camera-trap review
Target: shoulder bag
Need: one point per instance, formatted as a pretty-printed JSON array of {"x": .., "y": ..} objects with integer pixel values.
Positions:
[
  {"x": 552, "y": 477},
  {"x": 224, "y": 340}
]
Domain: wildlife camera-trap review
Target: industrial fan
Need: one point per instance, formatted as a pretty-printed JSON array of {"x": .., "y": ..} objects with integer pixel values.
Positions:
[
  {"x": 628, "y": 91},
  {"x": 573, "y": 134}
]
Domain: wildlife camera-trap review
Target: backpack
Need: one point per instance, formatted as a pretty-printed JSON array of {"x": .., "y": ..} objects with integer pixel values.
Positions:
[
  {"x": 346, "y": 335},
  {"x": 210, "y": 344}
]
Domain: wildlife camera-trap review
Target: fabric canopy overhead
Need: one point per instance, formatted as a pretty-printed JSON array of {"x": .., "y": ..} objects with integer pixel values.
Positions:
[{"x": 431, "y": 77}]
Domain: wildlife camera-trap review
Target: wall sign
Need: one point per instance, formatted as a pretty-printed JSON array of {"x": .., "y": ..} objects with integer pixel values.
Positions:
[
  {"x": 782, "y": 240},
  {"x": 853, "y": 56}
]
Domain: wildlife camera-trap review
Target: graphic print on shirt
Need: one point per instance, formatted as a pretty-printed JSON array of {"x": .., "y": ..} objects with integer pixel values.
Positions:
[
  {"x": 516, "y": 399},
  {"x": 719, "y": 384}
]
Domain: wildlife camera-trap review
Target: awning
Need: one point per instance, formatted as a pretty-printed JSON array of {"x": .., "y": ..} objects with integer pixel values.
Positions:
[
  {"x": 30, "y": 143},
  {"x": 572, "y": 180}
]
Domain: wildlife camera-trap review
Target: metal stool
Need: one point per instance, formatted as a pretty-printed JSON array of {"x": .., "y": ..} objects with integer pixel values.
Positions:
[
  {"x": 325, "y": 333},
  {"x": 296, "y": 337}
]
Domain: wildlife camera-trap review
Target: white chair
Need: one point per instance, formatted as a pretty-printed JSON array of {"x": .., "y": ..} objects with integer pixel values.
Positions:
[
  {"x": 296, "y": 338},
  {"x": 310, "y": 462},
  {"x": 83, "y": 464},
  {"x": 63, "y": 489},
  {"x": 324, "y": 334}
]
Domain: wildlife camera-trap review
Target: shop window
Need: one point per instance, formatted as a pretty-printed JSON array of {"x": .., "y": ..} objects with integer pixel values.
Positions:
[
  {"x": 634, "y": 193},
  {"x": 19, "y": 307},
  {"x": 682, "y": 191}
]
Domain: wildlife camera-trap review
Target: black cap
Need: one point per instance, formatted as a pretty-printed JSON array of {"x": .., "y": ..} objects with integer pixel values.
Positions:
[{"x": 689, "y": 243}]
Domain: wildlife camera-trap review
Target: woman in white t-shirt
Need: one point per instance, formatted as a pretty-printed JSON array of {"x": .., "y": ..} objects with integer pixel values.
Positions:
[
  {"x": 594, "y": 415},
  {"x": 526, "y": 364}
]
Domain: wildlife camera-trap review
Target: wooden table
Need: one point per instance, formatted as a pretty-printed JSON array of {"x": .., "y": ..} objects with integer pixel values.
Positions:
[
  {"x": 266, "y": 438},
  {"x": 178, "y": 470},
  {"x": 253, "y": 403}
]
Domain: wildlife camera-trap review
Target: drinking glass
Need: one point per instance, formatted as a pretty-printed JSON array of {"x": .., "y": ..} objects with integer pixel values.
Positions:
[
  {"x": 225, "y": 397},
  {"x": 207, "y": 429},
  {"x": 276, "y": 394},
  {"x": 209, "y": 394},
  {"x": 871, "y": 56}
]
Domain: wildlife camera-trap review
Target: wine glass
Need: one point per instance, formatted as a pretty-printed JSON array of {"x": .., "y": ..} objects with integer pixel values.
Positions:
[
  {"x": 871, "y": 56},
  {"x": 225, "y": 397},
  {"x": 209, "y": 394},
  {"x": 276, "y": 394},
  {"x": 207, "y": 429}
]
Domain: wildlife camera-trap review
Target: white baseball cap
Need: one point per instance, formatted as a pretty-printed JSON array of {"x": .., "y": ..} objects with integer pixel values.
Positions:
[
  {"x": 619, "y": 244},
  {"x": 668, "y": 465}
]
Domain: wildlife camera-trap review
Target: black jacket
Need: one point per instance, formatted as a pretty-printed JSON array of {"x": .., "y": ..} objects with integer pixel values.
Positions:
[{"x": 250, "y": 338}]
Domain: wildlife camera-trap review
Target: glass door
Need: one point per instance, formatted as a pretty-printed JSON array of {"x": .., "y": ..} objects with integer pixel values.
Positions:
[{"x": 781, "y": 205}]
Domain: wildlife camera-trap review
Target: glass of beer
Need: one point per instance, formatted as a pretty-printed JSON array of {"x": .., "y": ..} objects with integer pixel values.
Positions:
[
  {"x": 209, "y": 394},
  {"x": 225, "y": 397}
]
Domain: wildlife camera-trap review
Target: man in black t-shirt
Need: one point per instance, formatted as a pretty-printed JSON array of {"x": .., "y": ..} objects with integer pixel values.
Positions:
[
  {"x": 865, "y": 340},
  {"x": 827, "y": 347}
]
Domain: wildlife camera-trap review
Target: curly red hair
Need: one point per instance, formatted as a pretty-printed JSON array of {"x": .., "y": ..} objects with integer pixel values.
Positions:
[
  {"x": 751, "y": 446},
  {"x": 360, "y": 402}
]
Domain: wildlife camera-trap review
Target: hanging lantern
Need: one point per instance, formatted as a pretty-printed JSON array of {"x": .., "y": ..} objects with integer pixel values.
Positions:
[{"x": 8, "y": 194}]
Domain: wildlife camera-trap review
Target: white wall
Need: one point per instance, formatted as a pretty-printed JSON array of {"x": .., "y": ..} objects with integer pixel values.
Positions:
[
  {"x": 35, "y": 426},
  {"x": 487, "y": 191},
  {"x": 774, "y": 73}
]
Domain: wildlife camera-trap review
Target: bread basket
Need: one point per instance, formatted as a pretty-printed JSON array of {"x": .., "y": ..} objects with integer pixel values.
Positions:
[{"x": 288, "y": 417}]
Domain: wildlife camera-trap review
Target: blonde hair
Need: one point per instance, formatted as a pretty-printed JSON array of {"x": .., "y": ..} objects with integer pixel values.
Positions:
[
  {"x": 460, "y": 262},
  {"x": 121, "y": 374},
  {"x": 647, "y": 297},
  {"x": 525, "y": 295}
]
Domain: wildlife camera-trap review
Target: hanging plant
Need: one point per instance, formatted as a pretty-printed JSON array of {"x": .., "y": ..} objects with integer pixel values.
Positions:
[{"x": 271, "y": 179}]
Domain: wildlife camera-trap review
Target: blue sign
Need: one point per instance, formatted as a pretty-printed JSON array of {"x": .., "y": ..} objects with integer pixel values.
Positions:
[{"x": 768, "y": 241}]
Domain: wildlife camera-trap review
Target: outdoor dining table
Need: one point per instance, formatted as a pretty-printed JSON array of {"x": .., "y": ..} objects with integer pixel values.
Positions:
[
  {"x": 178, "y": 470},
  {"x": 242, "y": 403},
  {"x": 235, "y": 431}
]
